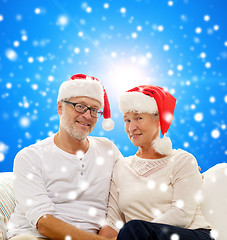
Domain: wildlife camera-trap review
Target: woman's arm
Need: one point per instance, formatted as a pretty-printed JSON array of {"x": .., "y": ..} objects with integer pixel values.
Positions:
[
  {"x": 186, "y": 182},
  {"x": 114, "y": 214}
]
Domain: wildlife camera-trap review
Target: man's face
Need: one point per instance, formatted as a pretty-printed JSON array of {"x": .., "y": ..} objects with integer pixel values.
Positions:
[{"x": 78, "y": 125}]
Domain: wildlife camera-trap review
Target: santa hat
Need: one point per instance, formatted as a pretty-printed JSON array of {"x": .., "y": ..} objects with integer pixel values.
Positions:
[
  {"x": 152, "y": 99},
  {"x": 81, "y": 85}
]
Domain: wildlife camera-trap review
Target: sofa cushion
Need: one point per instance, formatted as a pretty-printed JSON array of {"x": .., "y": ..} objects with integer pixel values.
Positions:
[
  {"x": 214, "y": 204},
  {"x": 7, "y": 201}
]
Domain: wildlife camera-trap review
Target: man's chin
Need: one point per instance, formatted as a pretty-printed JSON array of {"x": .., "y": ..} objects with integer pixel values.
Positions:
[
  {"x": 79, "y": 136},
  {"x": 77, "y": 133}
]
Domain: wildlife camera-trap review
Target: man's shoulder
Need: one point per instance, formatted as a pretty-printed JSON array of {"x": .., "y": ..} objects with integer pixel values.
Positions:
[
  {"x": 39, "y": 145},
  {"x": 100, "y": 140},
  {"x": 105, "y": 144}
]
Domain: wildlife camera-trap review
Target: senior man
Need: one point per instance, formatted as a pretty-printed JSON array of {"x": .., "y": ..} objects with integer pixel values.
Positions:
[{"x": 62, "y": 182}]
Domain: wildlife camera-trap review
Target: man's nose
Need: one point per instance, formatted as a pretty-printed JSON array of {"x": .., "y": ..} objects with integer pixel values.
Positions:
[{"x": 87, "y": 113}]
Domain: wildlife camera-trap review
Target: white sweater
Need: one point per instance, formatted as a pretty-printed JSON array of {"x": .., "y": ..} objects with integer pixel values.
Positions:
[
  {"x": 71, "y": 188},
  {"x": 163, "y": 190}
]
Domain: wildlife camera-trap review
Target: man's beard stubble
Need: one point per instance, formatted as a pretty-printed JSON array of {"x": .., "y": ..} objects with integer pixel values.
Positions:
[{"x": 70, "y": 128}]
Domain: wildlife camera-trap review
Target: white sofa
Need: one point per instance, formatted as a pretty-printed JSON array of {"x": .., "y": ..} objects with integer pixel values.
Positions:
[
  {"x": 214, "y": 204},
  {"x": 7, "y": 201},
  {"x": 214, "y": 200}
]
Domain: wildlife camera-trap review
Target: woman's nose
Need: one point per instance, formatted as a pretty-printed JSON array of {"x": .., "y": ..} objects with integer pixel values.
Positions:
[{"x": 132, "y": 126}]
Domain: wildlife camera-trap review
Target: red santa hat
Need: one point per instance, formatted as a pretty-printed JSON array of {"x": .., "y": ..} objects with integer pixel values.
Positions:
[
  {"x": 81, "y": 85},
  {"x": 152, "y": 99}
]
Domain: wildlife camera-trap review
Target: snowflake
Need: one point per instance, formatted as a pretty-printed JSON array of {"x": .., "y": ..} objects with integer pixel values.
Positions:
[
  {"x": 79, "y": 154},
  {"x": 37, "y": 11},
  {"x": 151, "y": 184},
  {"x": 72, "y": 195},
  {"x": 62, "y": 20},
  {"x": 163, "y": 187},
  {"x": 92, "y": 211},
  {"x": 180, "y": 203},
  {"x": 215, "y": 133},
  {"x": 198, "y": 117},
  {"x": 11, "y": 54},
  {"x": 106, "y": 5},
  {"x": 68, "y": 237},
  {"x": 99, "y": 161},
  {"x": 174, "y": 237},
  {"x": 119, "y": 224},
  {"x": 123, "y": 10},
  {"x": 2, "y": 157}
]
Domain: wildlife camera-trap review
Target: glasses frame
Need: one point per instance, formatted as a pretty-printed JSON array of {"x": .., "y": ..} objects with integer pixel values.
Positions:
[{"x": 99, "y": 113}]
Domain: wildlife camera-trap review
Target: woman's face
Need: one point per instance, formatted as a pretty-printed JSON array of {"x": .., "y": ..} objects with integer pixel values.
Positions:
[{"x": 141, "y": 128}]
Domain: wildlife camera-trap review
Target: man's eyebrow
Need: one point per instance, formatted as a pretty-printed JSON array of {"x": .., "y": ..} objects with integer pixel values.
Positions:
[{"x": 91, "y": 106}]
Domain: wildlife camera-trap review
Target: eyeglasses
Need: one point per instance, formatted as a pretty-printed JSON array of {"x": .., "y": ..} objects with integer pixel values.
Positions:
[{"x": 81, "y": 108}]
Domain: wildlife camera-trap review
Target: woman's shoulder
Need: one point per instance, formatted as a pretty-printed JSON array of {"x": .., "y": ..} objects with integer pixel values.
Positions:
[
  {"x": 181, "y": 157},
  {"x": 183, "y": 163},
  {"x": 182, "y": 154},
  {"x": 124, "y": 160}
]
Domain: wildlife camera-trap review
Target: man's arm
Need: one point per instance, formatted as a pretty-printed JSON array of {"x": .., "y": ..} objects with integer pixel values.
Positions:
[
  {"x": 108, "y": 232},
  {"x": 54, "y": 228}
]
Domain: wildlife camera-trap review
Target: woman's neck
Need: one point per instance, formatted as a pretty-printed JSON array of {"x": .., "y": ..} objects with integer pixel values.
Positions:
[{"x": 148, "y": 153}]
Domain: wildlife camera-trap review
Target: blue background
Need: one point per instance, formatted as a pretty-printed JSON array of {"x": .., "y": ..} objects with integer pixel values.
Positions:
[{"x": 180, "y": 45}]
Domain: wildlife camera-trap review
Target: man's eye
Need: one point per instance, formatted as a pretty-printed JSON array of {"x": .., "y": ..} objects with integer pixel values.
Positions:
[
  {"x": 79, "y": 106},
  {"x": 94, "y": 110}
]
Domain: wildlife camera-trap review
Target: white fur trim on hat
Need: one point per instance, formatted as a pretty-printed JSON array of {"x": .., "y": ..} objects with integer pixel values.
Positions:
[
  {"x": 162, "y": 145},
  {"x": 81, "y": 88},
  {"x": 137, "y": 102}
]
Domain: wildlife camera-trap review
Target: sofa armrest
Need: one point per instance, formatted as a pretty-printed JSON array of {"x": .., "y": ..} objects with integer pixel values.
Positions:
[
  {"x": 7, "y": 201},
  {"x": 214, "y": 204}
]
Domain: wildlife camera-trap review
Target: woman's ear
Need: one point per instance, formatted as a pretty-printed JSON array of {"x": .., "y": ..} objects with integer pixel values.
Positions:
[{"x": 158, "y": 122}]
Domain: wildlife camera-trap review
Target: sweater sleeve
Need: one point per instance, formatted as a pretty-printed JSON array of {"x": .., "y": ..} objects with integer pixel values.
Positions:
[
  {"x": 186, "y": 182},
  {"x": 30, "y": 191},
  {"x": 115, "y": 218}
]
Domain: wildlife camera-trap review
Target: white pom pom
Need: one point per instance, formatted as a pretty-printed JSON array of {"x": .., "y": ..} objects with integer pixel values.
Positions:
[
  {"x": 108, "y": 124},
  {"x": 162, "y": 145}
]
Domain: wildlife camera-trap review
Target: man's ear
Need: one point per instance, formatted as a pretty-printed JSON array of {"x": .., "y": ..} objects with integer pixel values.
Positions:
[{"x": 59, "y": 108}]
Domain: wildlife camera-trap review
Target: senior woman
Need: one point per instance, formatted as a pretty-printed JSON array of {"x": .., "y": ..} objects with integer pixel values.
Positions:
[{"x": 154, "y": 193}]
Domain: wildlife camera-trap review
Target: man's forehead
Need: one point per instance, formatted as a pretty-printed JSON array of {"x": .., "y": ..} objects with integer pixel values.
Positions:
[{"x": 87, "y": 101}]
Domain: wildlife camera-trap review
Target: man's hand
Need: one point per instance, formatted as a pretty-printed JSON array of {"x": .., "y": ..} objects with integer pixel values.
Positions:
[
  {"x": 200, "y": 172},
  {"x": 108, "y": 232},
  {"x": 54, "y": 228}
]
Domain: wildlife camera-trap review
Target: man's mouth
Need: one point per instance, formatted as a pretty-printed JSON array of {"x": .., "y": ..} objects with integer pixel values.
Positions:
[{"x": 84, "y": 124}]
